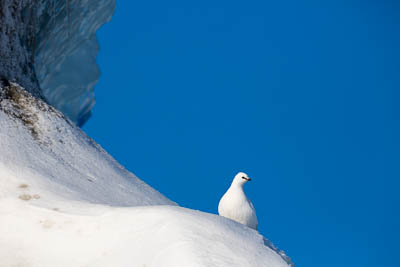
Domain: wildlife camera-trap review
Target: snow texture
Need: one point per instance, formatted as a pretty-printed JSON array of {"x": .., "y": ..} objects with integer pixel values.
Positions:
[
  {"x": 138, "y": 236},
  {"x": 65, "y": 202},
  {"x": 49, "y": 153}
]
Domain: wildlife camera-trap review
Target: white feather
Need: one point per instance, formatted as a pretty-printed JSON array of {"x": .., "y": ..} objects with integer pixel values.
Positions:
[{"x": 236, "y": 206}]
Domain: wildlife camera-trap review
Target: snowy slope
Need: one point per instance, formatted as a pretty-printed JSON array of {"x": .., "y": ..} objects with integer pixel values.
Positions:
[
  {"x": 66, "y": 202},
  {"x": 54, "y": 157}
]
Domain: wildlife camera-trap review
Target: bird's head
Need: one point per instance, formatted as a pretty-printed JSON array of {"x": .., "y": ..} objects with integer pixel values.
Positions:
[{"x": 240, "y": 179}]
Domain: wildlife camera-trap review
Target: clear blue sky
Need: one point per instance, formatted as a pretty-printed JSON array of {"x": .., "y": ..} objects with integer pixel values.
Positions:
[{"x": 301, "y": 95}]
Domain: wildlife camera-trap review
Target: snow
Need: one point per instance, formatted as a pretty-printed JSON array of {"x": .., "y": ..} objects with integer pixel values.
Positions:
[
  {"x": 58, "y": 160},
  {"x": 136, "y": 236},
  {"x": 65, "y": 202}
]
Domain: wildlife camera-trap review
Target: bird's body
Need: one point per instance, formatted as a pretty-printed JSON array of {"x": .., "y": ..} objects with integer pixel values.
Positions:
[{"x": 236, "y": 206}]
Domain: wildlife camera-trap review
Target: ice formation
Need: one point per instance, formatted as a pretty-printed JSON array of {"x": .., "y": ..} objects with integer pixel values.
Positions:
[
  {"x": 65, "y": 56},
  {"x": 50, "y": 48}
]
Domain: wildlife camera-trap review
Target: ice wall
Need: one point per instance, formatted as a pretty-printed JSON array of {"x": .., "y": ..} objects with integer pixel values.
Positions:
[
  {"x": 65, "y": 53},
  {"x": 49, "y": 47}
]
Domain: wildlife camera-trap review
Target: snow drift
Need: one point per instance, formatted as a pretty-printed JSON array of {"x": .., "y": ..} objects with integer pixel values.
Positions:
[
  {"x": 65, "y": 202},
  {"x": 137, "y": 236}
]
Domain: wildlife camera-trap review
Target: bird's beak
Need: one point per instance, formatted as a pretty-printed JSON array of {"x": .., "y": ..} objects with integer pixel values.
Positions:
[{"x": 248, "y": 179}]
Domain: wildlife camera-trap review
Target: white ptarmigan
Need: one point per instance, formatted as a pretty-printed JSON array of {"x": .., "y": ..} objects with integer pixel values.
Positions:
[{"x": 235, "y": 205}]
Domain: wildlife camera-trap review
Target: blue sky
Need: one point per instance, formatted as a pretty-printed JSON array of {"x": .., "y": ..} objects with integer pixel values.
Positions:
[{"x": 301, "y": 95}]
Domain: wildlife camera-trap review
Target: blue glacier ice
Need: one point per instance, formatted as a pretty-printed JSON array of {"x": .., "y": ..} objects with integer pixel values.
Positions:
[
  {"x": 65, "y": 53},
  {"x": 49, "y": 47}
]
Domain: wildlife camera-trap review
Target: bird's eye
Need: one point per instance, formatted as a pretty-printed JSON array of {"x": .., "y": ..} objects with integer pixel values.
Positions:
[{"x": 243, "y": 177}]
